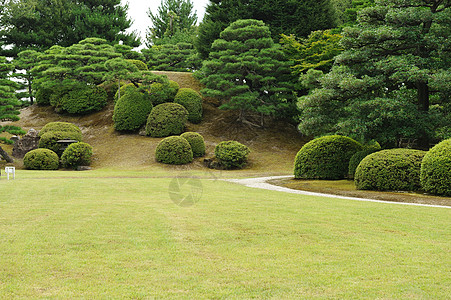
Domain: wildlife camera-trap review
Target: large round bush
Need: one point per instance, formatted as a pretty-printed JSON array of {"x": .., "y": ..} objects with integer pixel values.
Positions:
[
  {"x": 41, "y": 159},
  {"x": 326, "y": 157},
  {"x": 435, "y": 173},
  {"x": 49, "y": 140},
  {"x": 356, "y": 159},
  {"x": 77, "y": 154},
  {"x": 166, "y": 119},
  {"x": 162, "y": 93},
  {"x": 43, "y": 96},
  {"x": 60, "y": 126},
  {"x": 196, "y": 142},
  {"x": 192, "y": 101},
  {"x": 390, "y": 170},
  {"x": 131, "y": 111},
  {"x": 232, "y": 154},
  {"x": 123, "y": 90},
  {"x": 174, "y": 150},
  {"x": 84, "y": 100}
]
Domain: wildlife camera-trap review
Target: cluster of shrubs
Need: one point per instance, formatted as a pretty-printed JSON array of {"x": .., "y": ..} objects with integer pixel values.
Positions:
[
  {"x": 339, "y": 157},
  {"x": 49, "y": 155}
]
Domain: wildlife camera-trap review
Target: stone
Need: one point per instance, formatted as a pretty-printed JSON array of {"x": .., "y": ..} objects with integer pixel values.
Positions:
[{"x": 27, "y": 143}]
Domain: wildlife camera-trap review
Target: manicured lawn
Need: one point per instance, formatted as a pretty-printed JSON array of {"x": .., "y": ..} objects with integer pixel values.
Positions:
[{"x": 96, "y": 235}]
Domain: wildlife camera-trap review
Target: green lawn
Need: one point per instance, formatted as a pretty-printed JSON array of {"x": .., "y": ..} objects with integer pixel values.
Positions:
[{"x": 96, "y": 235}]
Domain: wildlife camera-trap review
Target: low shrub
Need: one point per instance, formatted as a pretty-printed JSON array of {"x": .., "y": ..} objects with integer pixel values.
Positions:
[
  {"x": 326, "y": 157},
  {"x": 162, "y": 93},
  {"x": 49, "y": 140},
  {"x": 390, "y": 170},
  {"x": 196, "y": 142},
  {"x": 41, "y": 159},
  {"x": 166, "y": 119},
  {"x": 43, "y": 96},
  {"x": 174, "y": 150},
  {"x": 131, "y": 111},
  {"x": 60, "y": 126},
  {"x": 356, "y": 159},
  {"x": 192, "y": 101},
  {"x": 435, "y": 175},
  {"x": 77, "y": 154},
  {"x": 123, "y": 90},
  {"x": 83, "y": 101},
  {"x": 232, "y": 154},
  {"x": 139, "y": 64}
]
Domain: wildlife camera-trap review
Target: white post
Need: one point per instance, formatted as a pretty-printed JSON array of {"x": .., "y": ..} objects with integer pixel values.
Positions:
[{"x": 10, "y": 170}]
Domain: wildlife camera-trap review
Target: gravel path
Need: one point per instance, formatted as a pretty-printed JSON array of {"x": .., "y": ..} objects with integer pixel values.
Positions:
[{"x": 261, "y": 183}]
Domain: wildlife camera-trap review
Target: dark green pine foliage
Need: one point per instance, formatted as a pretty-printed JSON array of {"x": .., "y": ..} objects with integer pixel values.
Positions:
[
  {"x": 180, "y": 57},
  {"x": 248, "y": 71}
]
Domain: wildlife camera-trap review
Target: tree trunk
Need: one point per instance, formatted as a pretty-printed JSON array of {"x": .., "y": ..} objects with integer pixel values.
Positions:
[
  {"x": 30, "y": 92},
  {"x": 5, "y": 156}
]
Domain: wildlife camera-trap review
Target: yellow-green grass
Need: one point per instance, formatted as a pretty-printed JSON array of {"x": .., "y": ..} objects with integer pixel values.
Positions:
[{"x": 117, "y": 234}]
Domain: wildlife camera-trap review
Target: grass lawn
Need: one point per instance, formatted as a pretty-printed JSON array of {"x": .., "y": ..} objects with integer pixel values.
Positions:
[{"x": 117, "y": 234}]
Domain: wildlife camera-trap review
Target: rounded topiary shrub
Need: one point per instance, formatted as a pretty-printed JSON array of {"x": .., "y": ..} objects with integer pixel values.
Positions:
[
  {"x": 196, "y": 141},
  {"x": 60, "y": 126},
  {"x": 162, "y": 93},
  {"x": 41, "y": 159},
  {"x": 131, "y": 111},
  {"x": 232, "y": 154},
  {"x": 77, "y": 154},
  {"x": 435, "y": 173},
  {"x": 139, "y": 64},
  {"x": 123, "y": 90},
  {"x": 192, "y": 101},
  {"x": 357, "y": 158},
  {"x": 42, "y": 96},
  {"x": 166, "y": 119},
  {"x": 49, "y": 140},
  {"x": 326, "y": 157},
  {"x": 390, "y": 170},
  {"x": 174, "y": 150},
  {"x": 84, "y": 100}
]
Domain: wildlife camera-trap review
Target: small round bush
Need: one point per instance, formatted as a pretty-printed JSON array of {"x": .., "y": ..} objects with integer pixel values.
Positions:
[
  {"x": 435, "y": 173},
  {"x": 41, "y": 159},
  {"x": 192, "y": 101},
  {"x": 131, "y": 111},
  {"x": 174, "y": 150},
  {"x": 83, "y": 101},
  {"x": 326, "y": 157},
  {"x": 49, "y": 140},
  {"x": 43, "y": 96},
  {"x": 123, "y": 90},
  {"x": 390, "y": 170},
  {"x": 232, "y": 154},
  {"x": 60, "y": 126},
  {"x": 196, "y": 141},
  {"x": 77, "y": 154},
  {"x": 166, "y": 119},
  {"x": 357, "y": 158},
  {"x": 162, "y": 93},
  {"x": 139, "y": 64}
]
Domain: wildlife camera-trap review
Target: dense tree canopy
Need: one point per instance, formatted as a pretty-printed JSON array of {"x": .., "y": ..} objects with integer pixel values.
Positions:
[
  {"x": 41, "y": 24},
  {"x": 392, "y": 80}
]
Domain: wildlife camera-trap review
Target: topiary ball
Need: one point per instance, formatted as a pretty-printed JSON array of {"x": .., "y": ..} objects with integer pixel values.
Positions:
[
  {"x": 390, "y": 170},
  {"x": 174, "y": 150},
  {"x": 435, "y": 175},
  {"x": 166, "y": 119},
  {"x": 49, "y": 140},
  {"x": 131, "y": 111},
  {"x": 123, "y": 90},
  {"x": 356, "y": 159},
  {"x": 326, "y": 157},
  {"x": 192, "y": 101},
  {"x": 77, "y": 154},
  {"x": 196, "y": 142},
  {"x": 162, "y": 93},
  {"x": 41, "y": 159},
  {"x": 83, "y": 101},
  {"x": 232, "y": 154},
  {"x": 60, "y": 126}
]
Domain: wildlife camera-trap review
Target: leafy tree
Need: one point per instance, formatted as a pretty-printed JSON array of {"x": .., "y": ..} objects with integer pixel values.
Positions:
[
  {"x": 40, "y": 24},
  {"x": 248, "y": 71},
  {"x": 282, "y": 16},
  {"x": 8, "y": 105},
  {"x": 396, "y": 64}
]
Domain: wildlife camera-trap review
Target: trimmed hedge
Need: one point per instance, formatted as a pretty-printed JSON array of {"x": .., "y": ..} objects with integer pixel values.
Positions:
[
  {"x": 77, "y": 154},
  {"x": 41, "y": 159},
  {"x": 196, "y": 142},
  {"x": 162, "y": 93},
  {"x": 131, "y": 111},
  {"x": 356, "y": 159},
  {"x": 174, "y": 150},
  {"x": 435, "y": 175},
  {"x": 83, "y": 101},
  {"x": 49, "y": 140},
  {"x": 390, "y": 170},
  {"x": 232, "y": 154},
  {"x": 326, "y": 157},
  {"x": 60, "y": 126},
  {"x": 166, "y": 119},
  {"x": 192, "y": 101}
]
